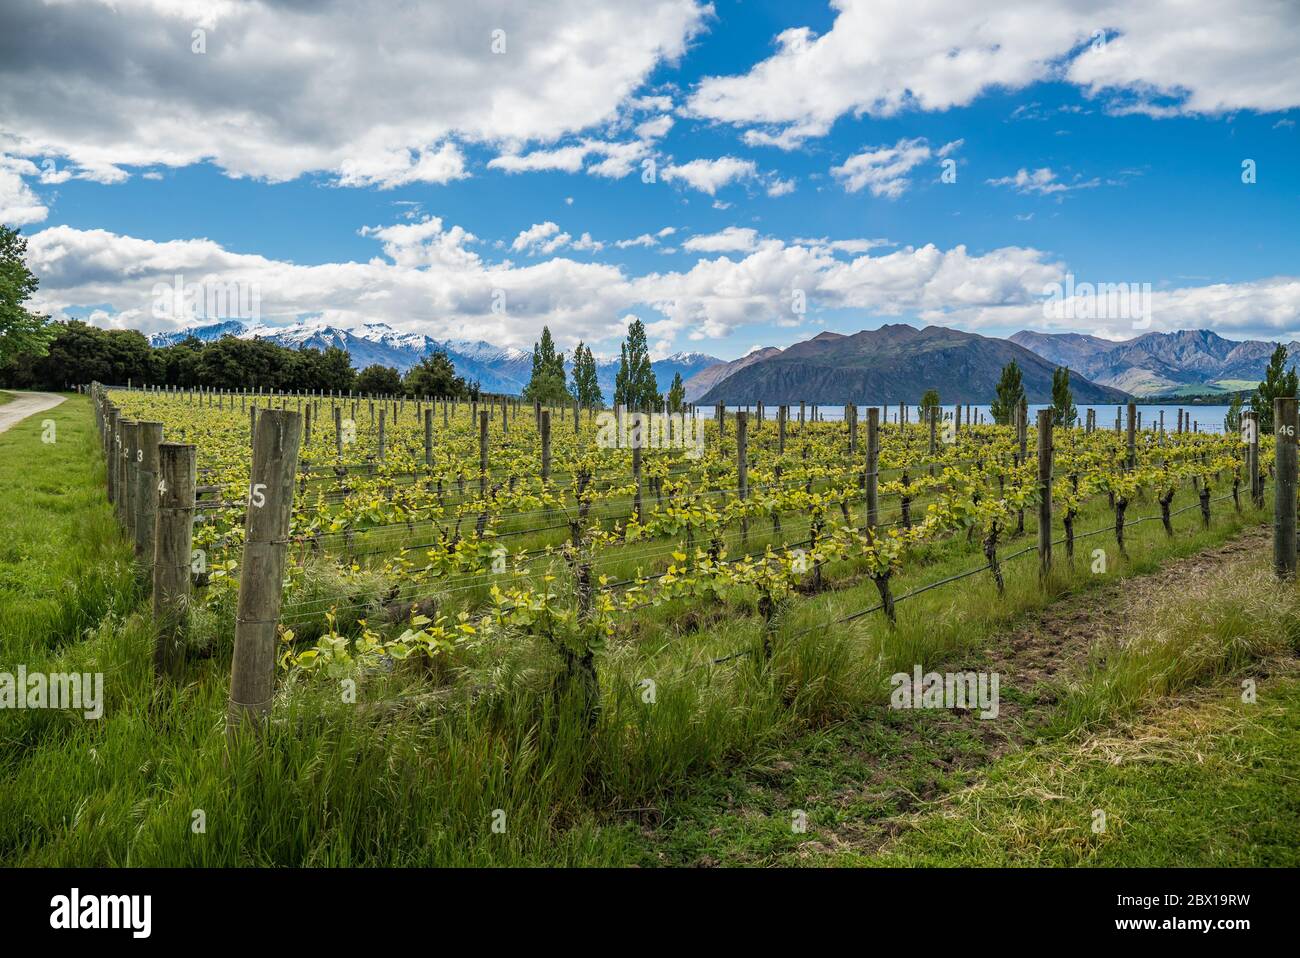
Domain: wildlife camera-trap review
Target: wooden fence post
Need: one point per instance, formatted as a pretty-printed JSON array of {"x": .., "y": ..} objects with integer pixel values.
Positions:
[
  {"x": 1044, "y": 492},
  {"x": 1132, "y": 436},
  {"x": 383, "y": 433},
  {"x": 148, "y": 435},
  {"x": 482, "y": 452},
  {"x": 261, "y": 576},
  {"x": 338, "y": 432},
  {"x": 1251, "y": 419},
  {"x": 428, "y": 436},
  {"x": 934, "y": 418},
  {"x": 873, "y": 462},
  {"x": 131, "y": 465},
  {"x": 126, "y": 433},
  {"x": 742, "y": 467},
  {"x": 544, "y": 424},
  {"x": 173, "y": 532},
  {"x": 1284, "y": 493}
]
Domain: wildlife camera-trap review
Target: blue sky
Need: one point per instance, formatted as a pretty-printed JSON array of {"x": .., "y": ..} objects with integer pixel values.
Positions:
[{"x": 1087, "y": 139}]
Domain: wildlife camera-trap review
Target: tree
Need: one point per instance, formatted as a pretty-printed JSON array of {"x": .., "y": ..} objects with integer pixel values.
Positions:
[
  {"x": 677, "y": 394},
  {"x": 1064, "y": 412},
  {"x": 1278, "y": 381},
  {"x": 1011, "y": 393},
  {"x": 586, "y": 387},
  {"x": 546, "y": 385},
  {"x": 1232, "y": 421},
  {"x": 928, "y": 401},
  {"x": 435, "y": 375},
  {"x": 634, "y": 385},
  {"x": 21, "y": 332},
  {"x": 379, "y": 380}
]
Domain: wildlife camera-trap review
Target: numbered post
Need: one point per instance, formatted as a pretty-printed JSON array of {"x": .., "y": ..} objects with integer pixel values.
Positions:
[
  {"x": 266, "y": 532},
  {"x": 147, "y": 436},
  {"x": 173, "y": 533}
]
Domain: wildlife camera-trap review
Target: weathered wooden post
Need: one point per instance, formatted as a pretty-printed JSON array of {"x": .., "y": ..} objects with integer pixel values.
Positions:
[
  {"x": 1284, "y": 493},
  {"x": 1132, "y": 436},
  {"x": 782, "y": 415},
  {"x": 851, "y": 417},
  {"x": 873, "y": 462},
  {"x": 637, "y": 441},
  {"x": 742, "y": 467},
  {"x": 383, "y": 433},
  {"x": 261, "y": 577},
  {"x": 306, "y": 423},
  {"x": 173, "y": 538},
  {"x": 147, "y": 437},
  {"x": 1044, "y": 492},
  {"x": 933, "y": 416},
  {"x": 130, "y": 476},
  {"x": 482, "y": 452},
  {"x": 338, "y": 432},
  {"x": 428, "y": 435},
  {"x": 1250, "y": 421},
  {"x": 544, "y": 424}
]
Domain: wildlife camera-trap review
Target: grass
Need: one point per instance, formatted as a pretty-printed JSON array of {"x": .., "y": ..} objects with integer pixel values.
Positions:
[
  {"x": 920, "y": 787},
  {"x": 1209, "y": 782},
  {"x": 63, "y": 566},
  {"x": 5, "y": 397},
  {"x": 424, "y": 783}
]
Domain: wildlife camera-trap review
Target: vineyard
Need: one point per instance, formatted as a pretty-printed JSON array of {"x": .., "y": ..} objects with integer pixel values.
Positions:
[{"x": 424, "y": 539}]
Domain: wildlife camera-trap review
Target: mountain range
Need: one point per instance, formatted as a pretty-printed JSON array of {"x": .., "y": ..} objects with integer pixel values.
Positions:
[
  {"x": 1190, "y": 360},
  {"x": 895, "y": 363},
  {"x": 497, "y": 369}
]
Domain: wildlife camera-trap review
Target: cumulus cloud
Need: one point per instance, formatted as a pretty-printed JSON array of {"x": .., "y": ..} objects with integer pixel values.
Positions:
[
  {"x": 709, "y": 176},
  {"x": 883, "y": 169},
  {"x": 541, "y": 238},
  {"x": 379, "y": 94},
  {"x": 882, "y": 57},
  {"x": 19, "y": 205},
  {"x": 430, "y": 280},
  {"x": 731, "y": 239}
]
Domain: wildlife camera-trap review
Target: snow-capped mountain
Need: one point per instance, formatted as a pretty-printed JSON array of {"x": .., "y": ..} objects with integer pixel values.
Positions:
[{"x": 497, "y": 369}]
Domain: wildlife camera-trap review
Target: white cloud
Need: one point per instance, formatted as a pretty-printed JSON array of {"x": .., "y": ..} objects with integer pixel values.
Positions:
[
  {"x": 654, "y": 129},
  {"x": 709, "y": 176},
  {"x": 1042, "y": 181},
  {"x": 881, "y": 57},
  {"x": 619, "y": 158},
  {"x": 375, "y": 93},
  {"x": 568, "y": 159},
  {"x": 645, "y": 239},
  {"x": 400, "y": 167},
  {"x": 731, "y": 239},
  {"x": 587, "y": 244},
  {"x": 779, "y": 187},
  {"x": 882, "y": 169},
  {"x": 541, "y": 238},
  {"x": 431, "y": 282},
  {"x": 19, "y": 205}
]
